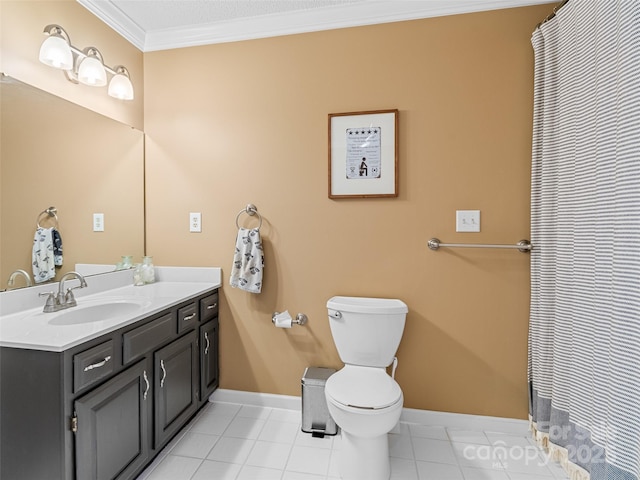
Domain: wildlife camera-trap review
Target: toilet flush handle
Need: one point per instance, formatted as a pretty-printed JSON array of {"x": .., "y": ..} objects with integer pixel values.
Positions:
[
  {"x": 336, "y": 314},
  {"x": 395, "y": 365}
]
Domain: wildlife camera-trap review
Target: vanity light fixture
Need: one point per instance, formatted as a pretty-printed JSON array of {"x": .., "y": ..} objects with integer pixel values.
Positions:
[{"x": 83, "y": 66}]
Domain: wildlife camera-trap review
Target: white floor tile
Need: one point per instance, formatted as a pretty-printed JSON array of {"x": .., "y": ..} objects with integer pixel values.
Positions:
[
  {"x": 223, "y": 408},
  {"x": 196, "y": 445},
  {"x": 249, "y": 472},
  {"x": 254, "y": 411},
  {"x": 506, "y": 440},
  {"x": 474, "y": 455},
  {"x": 229, "y": 441},
  {"x": 281, "y": 432},
  {"x": 269, "y": 455},
  {"x": 212, "y": 424},
  {"x": 233, "y": 450},
  {"x": 284, "y": 415},
  {"x": 468, "y": 436},
  {"x": 428, "y": 431},
  {"x": 174, "y": 467},
  {"x": 400, "y": 446},
  {"x": 242, "y": 427},
  {"x": 309, "y": 460},
  {"x": 218, "y": 470},
  {"x": 438, "y": 471},
  {"x": 483, "y": 474},
  {"x": 301, "y": 476},
  {"x": 430, "y": 450},
  {"x": 403, "y": 469}
]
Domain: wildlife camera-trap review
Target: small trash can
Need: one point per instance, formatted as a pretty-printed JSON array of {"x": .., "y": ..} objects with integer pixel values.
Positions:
[{"x": 316, "y": 419}]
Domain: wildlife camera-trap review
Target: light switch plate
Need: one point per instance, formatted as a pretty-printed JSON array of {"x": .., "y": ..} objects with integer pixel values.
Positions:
[
  {"x": 467, "y": 220},
  {"x": 195, "y": 222},
  {"x": 98, "y": 222}
]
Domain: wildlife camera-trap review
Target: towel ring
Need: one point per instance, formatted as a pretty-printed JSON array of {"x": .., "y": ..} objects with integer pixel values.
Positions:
[
  {"x": 49, "y": 212},
  {"x": 250, "y": 210}
]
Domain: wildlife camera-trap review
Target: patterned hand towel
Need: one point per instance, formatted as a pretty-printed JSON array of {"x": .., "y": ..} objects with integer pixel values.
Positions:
[
  {"x": 42, "y": 255},
  {"x": 57, "y": 247},
  {"x": 248, "y": 261}
]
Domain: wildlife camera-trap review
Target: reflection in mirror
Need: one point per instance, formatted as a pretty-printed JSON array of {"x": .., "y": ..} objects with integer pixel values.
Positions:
[{"x": 54, "y": 153}]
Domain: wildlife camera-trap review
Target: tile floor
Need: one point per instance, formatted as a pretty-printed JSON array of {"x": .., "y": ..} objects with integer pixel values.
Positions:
[{"x": 228, "y": 441}]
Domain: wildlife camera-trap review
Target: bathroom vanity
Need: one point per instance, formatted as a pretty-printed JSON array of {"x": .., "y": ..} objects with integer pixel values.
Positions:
[{"x": 102, "y": 405}]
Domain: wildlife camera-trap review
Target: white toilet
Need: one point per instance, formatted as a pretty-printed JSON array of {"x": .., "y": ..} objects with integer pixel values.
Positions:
[{"x": 362, "y": 398}]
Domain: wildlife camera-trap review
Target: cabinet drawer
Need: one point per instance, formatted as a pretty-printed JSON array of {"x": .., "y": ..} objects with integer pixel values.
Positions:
[
  {"x": 187, "y": 317},
  {"x": 148, "y": 337},
  {"x": 92, "y": 365},
  {"x": 209, "y": 307}
]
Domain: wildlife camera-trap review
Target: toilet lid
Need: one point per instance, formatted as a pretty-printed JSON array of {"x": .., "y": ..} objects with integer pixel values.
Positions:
[{"x": 363, "y": 387}]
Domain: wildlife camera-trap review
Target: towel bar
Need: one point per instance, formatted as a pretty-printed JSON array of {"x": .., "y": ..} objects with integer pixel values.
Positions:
[
  {"x": 523, "y": 246},
  {"x": 250, "y": 210},
  {"x": 50, "y": 212}
]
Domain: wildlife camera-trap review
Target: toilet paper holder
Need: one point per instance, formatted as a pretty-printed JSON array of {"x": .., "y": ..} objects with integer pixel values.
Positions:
[{"x": 300, "y": 319}]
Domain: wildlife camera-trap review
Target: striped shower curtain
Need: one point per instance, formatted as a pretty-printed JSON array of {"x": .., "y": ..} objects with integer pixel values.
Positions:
[{"x": 584, "y": 337}]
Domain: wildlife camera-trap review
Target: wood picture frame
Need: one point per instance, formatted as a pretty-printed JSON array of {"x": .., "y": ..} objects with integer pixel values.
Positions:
[{"x": 363, "y": 154}]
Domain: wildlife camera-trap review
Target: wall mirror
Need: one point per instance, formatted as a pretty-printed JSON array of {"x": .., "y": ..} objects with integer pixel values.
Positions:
[{"x": 56, "y": 153}]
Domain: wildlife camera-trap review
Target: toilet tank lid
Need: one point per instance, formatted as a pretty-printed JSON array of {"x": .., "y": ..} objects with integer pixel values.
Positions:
[{"x": 367, "y": 305}]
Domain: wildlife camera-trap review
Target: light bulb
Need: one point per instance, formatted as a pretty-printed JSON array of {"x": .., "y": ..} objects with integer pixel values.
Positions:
[
  {"x": 91, "y": 72},
  {"x": 120, "y": 87},
  {"x": 56, "y": 52}
]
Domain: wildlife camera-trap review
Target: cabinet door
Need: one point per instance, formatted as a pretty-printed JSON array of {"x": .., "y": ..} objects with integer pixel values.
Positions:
[
  {"x": 112, "y": 438},
  {"x": 176, "y": 385},
  {"x": 208, "y": 359}
]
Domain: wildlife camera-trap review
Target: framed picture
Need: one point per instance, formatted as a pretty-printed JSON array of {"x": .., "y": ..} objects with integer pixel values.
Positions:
[{"x": 363, "y": 154}]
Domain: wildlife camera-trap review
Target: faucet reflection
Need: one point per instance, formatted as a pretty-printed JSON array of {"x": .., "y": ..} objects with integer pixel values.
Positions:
[
  {"x": 12, "y": 279},
  {"x": 63, "y": 299}
]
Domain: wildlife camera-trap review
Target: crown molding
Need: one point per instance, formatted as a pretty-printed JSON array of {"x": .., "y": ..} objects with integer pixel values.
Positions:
[{"x": 300, "y": 21}]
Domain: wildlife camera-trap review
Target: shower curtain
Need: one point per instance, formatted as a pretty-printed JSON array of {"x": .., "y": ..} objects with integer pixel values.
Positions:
[{"x": 584, "y": 334}]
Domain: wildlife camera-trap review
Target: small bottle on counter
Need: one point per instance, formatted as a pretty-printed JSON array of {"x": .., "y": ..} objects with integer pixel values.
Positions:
[
  {"x": 137, "y": 275},
  {"x": 148, "y": 270}
]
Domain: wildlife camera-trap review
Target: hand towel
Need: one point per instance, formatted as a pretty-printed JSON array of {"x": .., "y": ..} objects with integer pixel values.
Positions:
[
  {"x": 248, "y": 261},
  {"x": 57, "y": 247},
  {"x": 42, "y": 256}
]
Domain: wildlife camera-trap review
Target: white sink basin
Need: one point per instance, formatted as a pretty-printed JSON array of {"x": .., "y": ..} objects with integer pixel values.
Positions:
[{"x": 96, "y": 312}]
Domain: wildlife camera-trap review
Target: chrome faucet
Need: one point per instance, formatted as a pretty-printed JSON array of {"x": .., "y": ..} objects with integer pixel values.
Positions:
[
  {"x": 12, "y": 279},
  {"x": 63, "y": 299}
]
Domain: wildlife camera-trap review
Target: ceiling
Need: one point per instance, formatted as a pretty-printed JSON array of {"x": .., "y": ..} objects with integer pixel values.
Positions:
[{"x": 165, "y": 24}]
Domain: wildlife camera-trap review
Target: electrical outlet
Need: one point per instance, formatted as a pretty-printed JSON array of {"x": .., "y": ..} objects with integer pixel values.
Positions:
[
  {"x": 98, "y": 222},
  {"x": 467, "y": 220},
  {"x": 195, "y": 222}
]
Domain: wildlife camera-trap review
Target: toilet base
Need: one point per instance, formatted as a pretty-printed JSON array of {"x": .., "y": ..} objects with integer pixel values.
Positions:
[{"x": 364, "y": 458}]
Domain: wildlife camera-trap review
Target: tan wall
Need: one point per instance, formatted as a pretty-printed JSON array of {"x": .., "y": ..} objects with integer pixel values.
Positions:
[
  {"x": 21, "y": 34},
  {"x": 247, "y": 122}
]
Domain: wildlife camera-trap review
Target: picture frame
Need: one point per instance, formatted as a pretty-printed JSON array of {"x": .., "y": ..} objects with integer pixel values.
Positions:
[{"x": 363, "y": 154}]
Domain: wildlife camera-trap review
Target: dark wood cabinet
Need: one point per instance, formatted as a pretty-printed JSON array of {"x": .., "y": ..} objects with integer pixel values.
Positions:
[
  {"x": 105, "y": 408},
  {"x": 176, "y": 387},
  {"x": 209, "y": 369},
  {"x": 112, "y": 426}
]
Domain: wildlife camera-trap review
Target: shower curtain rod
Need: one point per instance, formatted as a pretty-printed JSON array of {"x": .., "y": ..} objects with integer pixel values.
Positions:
[{"x": 553, "y": 14}]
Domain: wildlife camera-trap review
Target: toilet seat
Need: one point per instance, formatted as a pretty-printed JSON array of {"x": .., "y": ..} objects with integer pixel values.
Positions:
[{"x": 368, "y": 388}]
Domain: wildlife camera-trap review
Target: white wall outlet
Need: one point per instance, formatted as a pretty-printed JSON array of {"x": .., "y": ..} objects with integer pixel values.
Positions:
[
  {"x": 195, "y": 222},
  {"x": 467, "y": 220},
  {"x": 98, "y": 222}
]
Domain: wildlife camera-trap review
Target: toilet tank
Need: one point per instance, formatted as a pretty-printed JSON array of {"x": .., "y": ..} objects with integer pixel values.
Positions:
[{"x": 366, "y": 331}]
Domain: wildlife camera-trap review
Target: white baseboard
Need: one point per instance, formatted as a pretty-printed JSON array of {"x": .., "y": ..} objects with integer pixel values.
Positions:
[{"x": 409, "y": 415}]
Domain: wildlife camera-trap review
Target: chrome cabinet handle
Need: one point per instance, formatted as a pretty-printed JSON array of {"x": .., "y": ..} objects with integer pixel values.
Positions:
[
  {"x": 206, "y": 348},
  {"x": 98, "y": 365},
  {"x": 211, "y": 307},
  {"x": 146, "y": 380},
  {"x": 189, "y": 317},
  {"x": 164, "y": 373}
]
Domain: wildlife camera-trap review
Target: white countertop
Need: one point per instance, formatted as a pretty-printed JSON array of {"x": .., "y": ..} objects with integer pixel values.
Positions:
[{"x": 23, "y": 325}]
